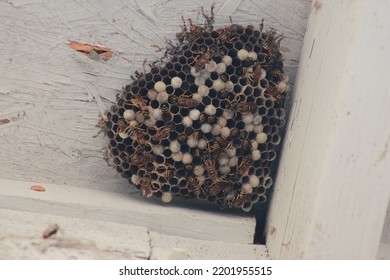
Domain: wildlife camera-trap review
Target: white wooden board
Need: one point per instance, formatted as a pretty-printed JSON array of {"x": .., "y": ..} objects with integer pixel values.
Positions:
[
  {"x": 51, "y": 97},
  {"x": 332, "y": 189}
]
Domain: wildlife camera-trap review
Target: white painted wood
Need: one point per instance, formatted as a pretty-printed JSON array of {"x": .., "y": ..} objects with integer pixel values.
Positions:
[
  {"x": 104, "y": 225},
  {"x": 332, "y": 189},
  {"x": 76, "y": 238},
  {"x": 52, "y": 93},
  {"x": 165, "y": 247},
  {"x": 53, "y": 96},
  {"x": 384, "y": 247},
  {"x": 204, "y": 224}
]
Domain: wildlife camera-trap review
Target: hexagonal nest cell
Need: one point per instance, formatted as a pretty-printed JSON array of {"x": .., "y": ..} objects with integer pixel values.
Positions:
[{"x": 206, "y": 123}]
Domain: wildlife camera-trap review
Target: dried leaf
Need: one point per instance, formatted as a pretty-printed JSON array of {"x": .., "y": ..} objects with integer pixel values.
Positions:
[
  {"x": 90, "y": 49},
  {"x": 38, "y": 188},
  {"x": 4, "y": 121},
  {"x": 51, "y": 230}
]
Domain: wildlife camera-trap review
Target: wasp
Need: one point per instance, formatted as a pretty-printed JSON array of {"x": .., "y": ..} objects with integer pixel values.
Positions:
[
  {"x": 202, "y": 118},
  {"x": 194, "y": 186},
  {"x": 192, "y": 35},
  {"x": 278, "y": 73},
  {"x": 141, "y": 159},
  {"x": 238, "y": 200},
  {"x": 166, "y": 172},
  {"x": 272, "y": 43},
  {"x": 252, "y": 73},
  {"x": 219, "y": 145},
  {"x": 243, "y": 169},
  {"x": 184, "y": 101},
  {"x": 205, "y": 118},
  {"x": 134, "y": 131},
  {"x": 166, "y": 114},
  {"x": 224, "y": 93},
  {"x": 140, "y": 103},
  {"x": 218, "y": 186},
  {"x": 163, "y": 132},
  {"x": 242, "y": 107},
  {"x": 275, "y": 94},
  {"x": 145, "y": 185},
  {"x": 227, "y": 35},
  {"x": 246, "y": 145},
  {"x": 182, "y": 138},
  {"x": 203, "y": 58},
  {"x": 197, "y": 134},
  {"x": 209, "y": 165},
  {"x": 209, "y": 19}
]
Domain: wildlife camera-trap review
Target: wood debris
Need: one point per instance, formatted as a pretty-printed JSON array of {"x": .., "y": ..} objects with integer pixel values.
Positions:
[
  {"x": 51, "y": 230},
  {"x": 92, "y": 51},
  {"x": 38, "y": 188}
]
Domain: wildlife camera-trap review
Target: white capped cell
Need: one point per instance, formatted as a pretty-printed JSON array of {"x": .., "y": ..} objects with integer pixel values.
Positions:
[
  {"x": 222, "y": 122},
  {"x": 221, "y": 68},
  {"x": 257, "y": 119},
  {"x": 218, "y": 85},
  {"x": 203, "y": 90},
  {"x": 129, "y": 115},
  {"x": 247, "y": 118},
  {"x": 225, "y": 132},
  {"x": 174, "y": 146},
  {"x": 157, "y": 114},
  {"x": 216, "y": 129},
  {"x": 282, "y": 86},
  {"x": 187, "y": 158},
  {"x": 228, "y": 114},
  {"x": 231, "y": 152},
  {"x": 160, "y": 86},
  {"x": 151, "y": 122},
  {"x": 197, "y": 97},
  {"x": 198, "y": 170},
  {"x": 261, "y": 138},
  {"x": 223, "y": 160},
  {"x": 211, "y": 66},
  {"x": 224, "y": 169},
  {"x": 166, "y": 197},
  {"x": 254, "y": 181},
  {"x": 157, "y": 149},
  {"x": 152, "y": 94},
  {"x": 252, "y": 55},
  {"x": 192, "y": 142},
  {"x": 233, "y": 161},
  {"x": 258, "y": 128},
  {"x": 202, "y": 144},
  {"x": 227, "y": 60},
  {"x": 256, "y": 154},
  {"x": 187, "y": 122},
  {"x": 242, "y": 54},
  {"x": 177, "y": 156},
  {"x": 210, "y": 110},
  {"x": 194, "y": 114},
  {"x": 206, "y": 128},
  {"x": 249, "y": 127},
  {"x": 162, "y": 97},
  {"x": 176, "y": 82},
  {"x": 194, "y": 72},
  {"x": 246, "y": 188},
  {"x": 199, "y": 81}
]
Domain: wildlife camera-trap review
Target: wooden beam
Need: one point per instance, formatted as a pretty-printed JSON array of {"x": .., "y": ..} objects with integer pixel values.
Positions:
[{"x": 332, "y": 189}]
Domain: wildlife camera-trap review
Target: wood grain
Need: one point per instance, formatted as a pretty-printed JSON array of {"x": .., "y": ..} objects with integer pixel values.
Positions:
[
  {"x": 332, "y": 189},
  {"x": 55, "y": 94}
]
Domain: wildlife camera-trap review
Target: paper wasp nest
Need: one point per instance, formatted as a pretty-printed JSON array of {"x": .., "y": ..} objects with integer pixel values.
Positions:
[{"x": 206, "y": 124}]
